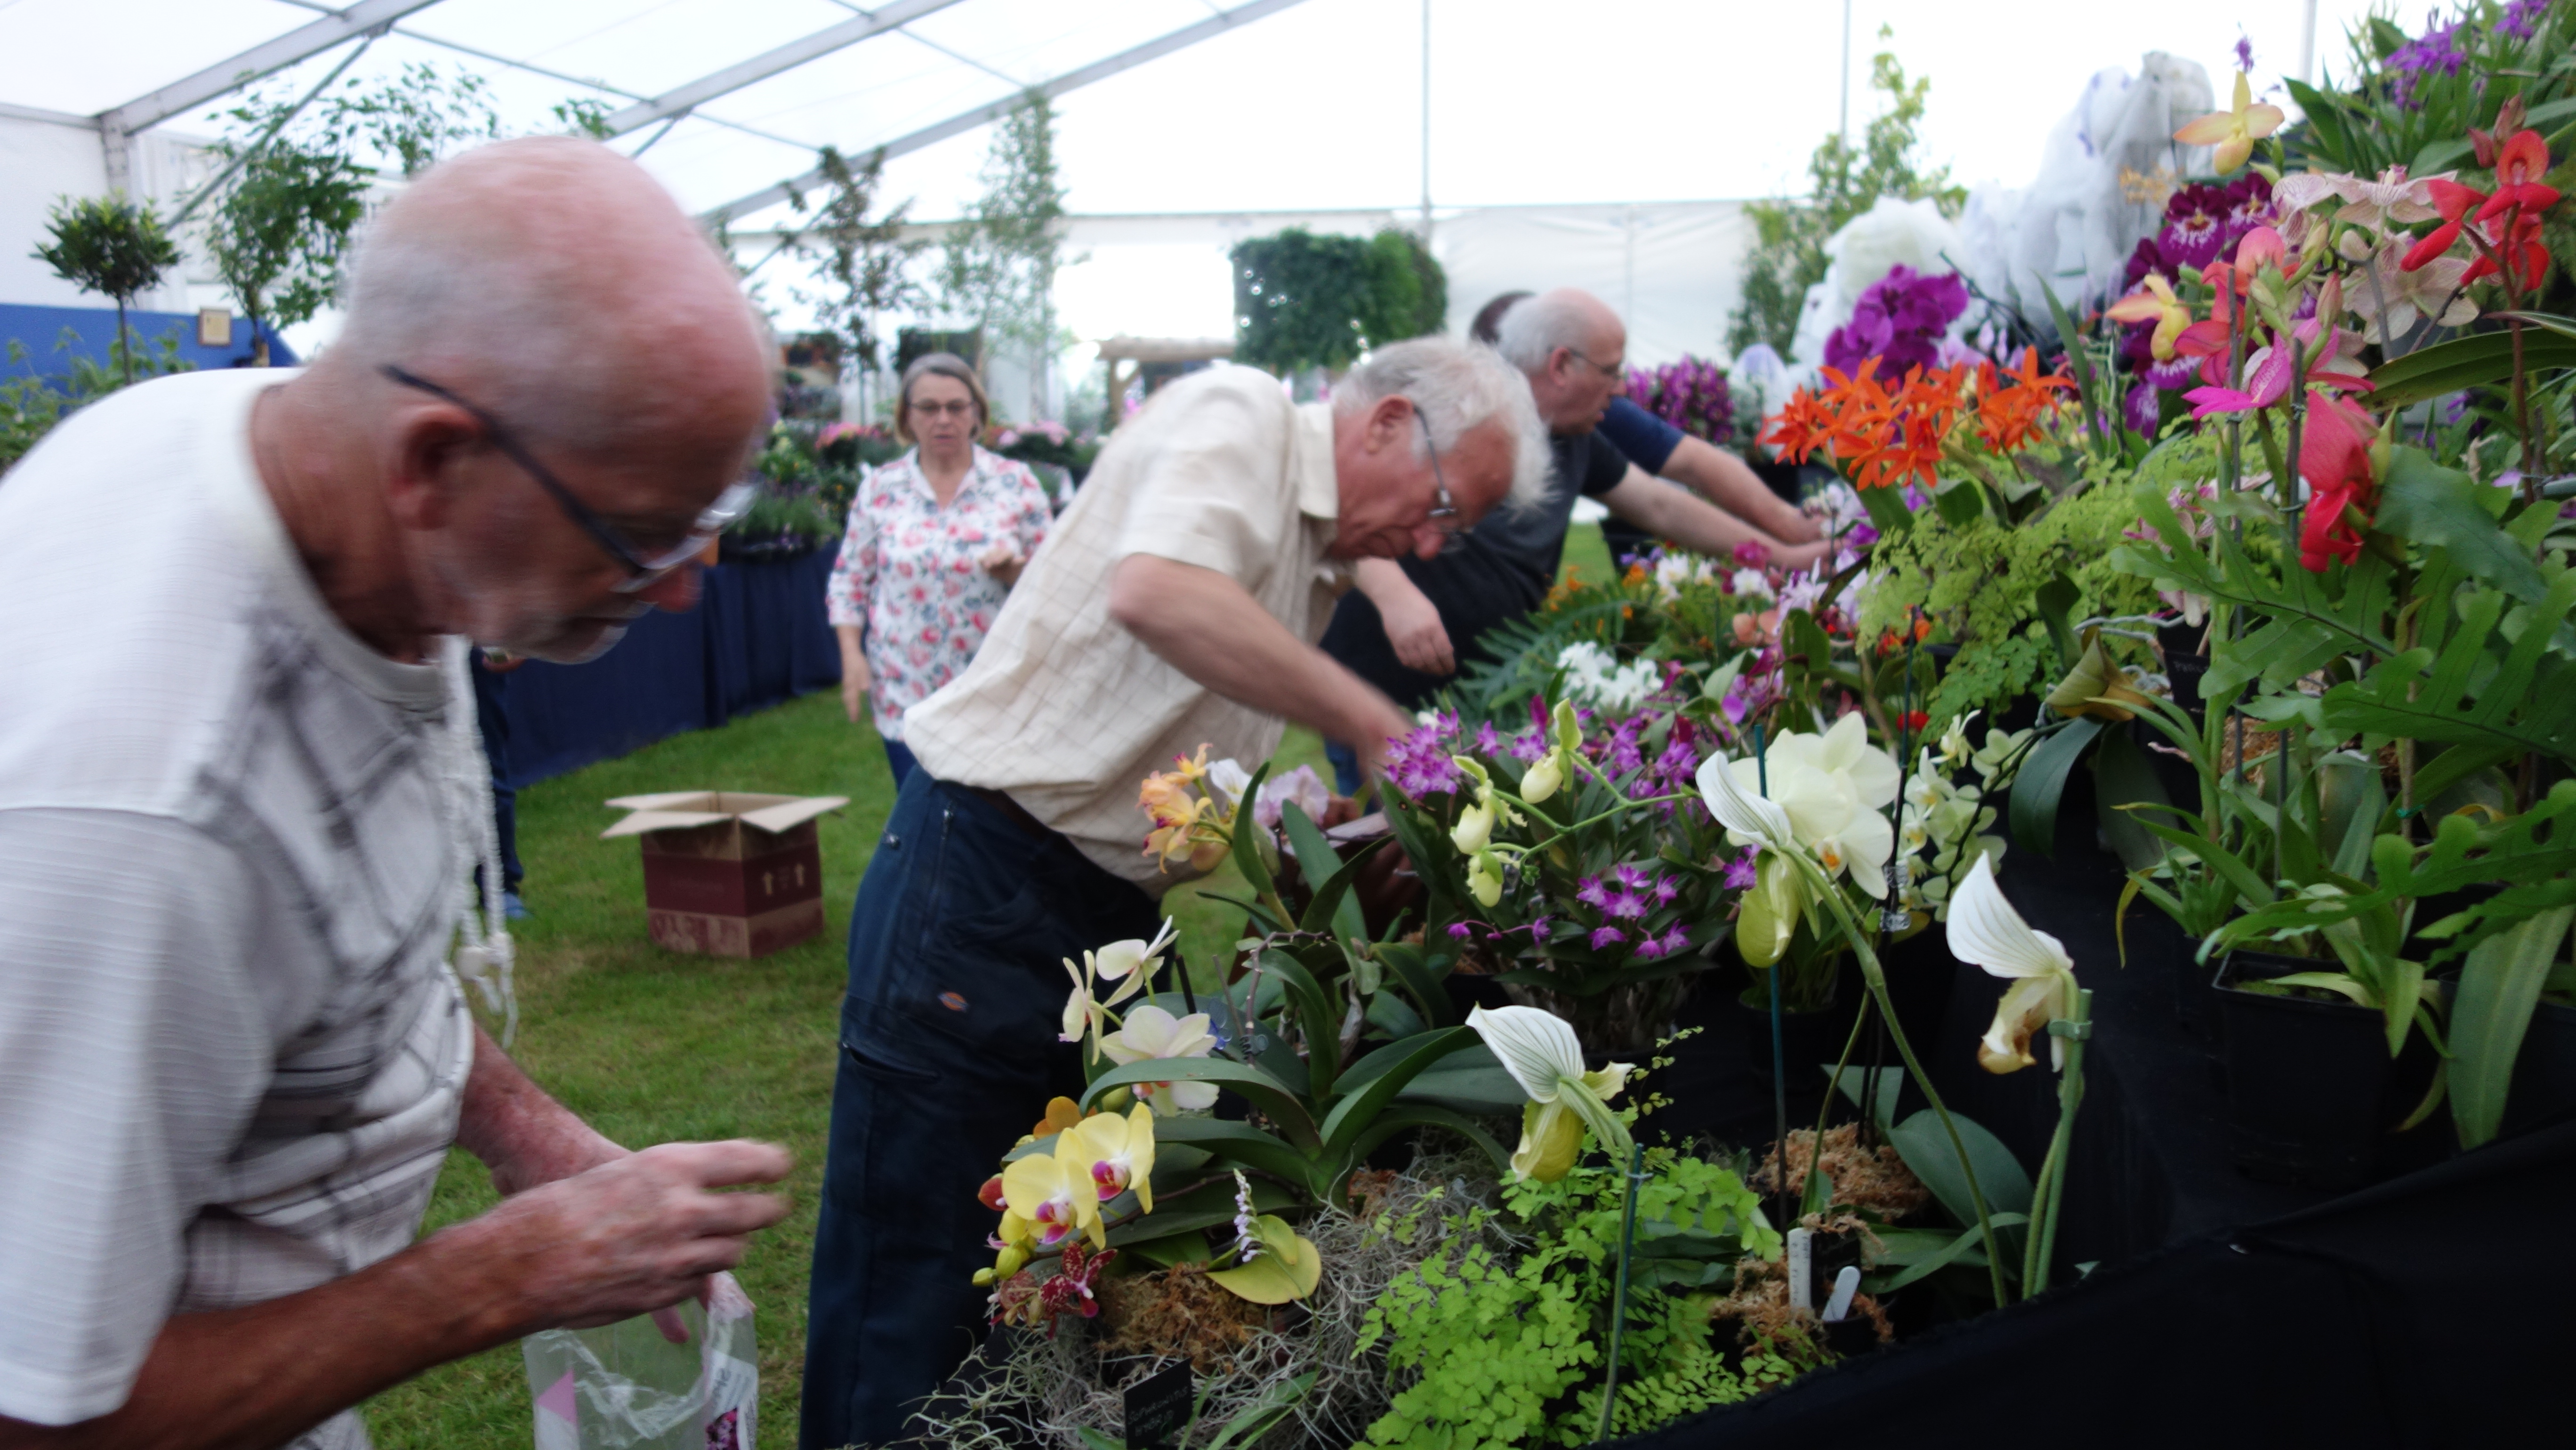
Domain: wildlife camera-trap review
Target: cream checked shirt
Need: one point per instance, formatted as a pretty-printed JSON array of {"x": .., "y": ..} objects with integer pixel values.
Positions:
[{"x": 1066, "y": 710}]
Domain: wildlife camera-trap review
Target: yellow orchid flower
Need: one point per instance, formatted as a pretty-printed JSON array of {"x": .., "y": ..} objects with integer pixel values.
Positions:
[
  {"x": 1121, "y": 1151},
  {"x": 2154, "y": 301},
  {"x": 1484, "y": 879},
  {"x": 1054, "y": 1194},
  {"x": 2234, "y": 130}
]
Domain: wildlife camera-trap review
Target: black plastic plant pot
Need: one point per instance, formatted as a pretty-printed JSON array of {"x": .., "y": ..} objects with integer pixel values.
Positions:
[
  {"x": 2311, "y": 1091},
  {"x": 2157, "y": 946}
]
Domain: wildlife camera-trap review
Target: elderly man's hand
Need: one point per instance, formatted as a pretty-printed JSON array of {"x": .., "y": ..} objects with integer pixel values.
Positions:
[
  {"x": 634, "y": 1235},
  {"x": 1421, "y": 642}
]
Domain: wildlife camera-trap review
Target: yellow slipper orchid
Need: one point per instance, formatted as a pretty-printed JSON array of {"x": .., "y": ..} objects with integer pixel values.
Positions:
[
  {"x": 1539, "y": 1051},
  {"x": 1985, "y": 931}
]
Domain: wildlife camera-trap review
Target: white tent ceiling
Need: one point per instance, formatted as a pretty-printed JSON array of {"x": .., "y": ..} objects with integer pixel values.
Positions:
[{"x": 1315, "y": 105}]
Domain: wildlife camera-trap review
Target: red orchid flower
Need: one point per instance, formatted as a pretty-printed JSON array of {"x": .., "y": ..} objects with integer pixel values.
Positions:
[
  {"x": 2334, "y": 457},
  {"x": 2520, "y": 165},
  {"x": 2453, "y": 201}
]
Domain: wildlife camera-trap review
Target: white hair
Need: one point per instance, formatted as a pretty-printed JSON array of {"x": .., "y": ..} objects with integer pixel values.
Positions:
[
  {"x": 1458, "y": 387},
  {"x": 1532, "y": 331}
]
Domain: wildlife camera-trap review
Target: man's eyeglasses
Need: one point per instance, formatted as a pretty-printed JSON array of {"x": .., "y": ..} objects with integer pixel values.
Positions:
[
  {"x": 643, "y": 565},
  {"x": 1613, "y": 370},
  {"x": 1444, "y": 508}
]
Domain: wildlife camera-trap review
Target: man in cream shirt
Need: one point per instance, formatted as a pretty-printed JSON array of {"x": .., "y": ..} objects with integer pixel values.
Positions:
[{"x": 1173, "y": 606}]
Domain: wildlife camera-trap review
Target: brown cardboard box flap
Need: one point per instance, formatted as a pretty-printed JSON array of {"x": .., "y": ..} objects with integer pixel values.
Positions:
[{"x": 683, "y": 809}]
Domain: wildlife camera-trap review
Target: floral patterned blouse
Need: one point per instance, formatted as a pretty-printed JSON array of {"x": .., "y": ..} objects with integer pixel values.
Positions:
[{"x": 908, "y": 572}]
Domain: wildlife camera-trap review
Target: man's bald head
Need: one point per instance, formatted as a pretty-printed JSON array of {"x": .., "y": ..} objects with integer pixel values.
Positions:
[
  {"x": 1574, "y": 350},
  {"x": 556, "y": 282}
]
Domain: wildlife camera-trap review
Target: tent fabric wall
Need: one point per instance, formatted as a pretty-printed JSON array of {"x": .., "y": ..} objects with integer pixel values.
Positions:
[
  {"x": 1673, "y": 270},
  {"x": 758, "y": 637}
]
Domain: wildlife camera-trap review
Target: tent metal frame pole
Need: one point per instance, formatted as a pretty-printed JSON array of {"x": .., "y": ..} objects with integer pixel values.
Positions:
[
  {"x": 778, "y": 61},
  {"x": 958, "y": 125}
]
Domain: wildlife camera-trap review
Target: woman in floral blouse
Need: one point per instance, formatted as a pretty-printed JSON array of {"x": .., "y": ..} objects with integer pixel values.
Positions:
[{"x": 936, "y": 540}]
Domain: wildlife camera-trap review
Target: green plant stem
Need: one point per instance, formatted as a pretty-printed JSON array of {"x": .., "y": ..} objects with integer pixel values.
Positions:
[
  {"x": 1619, "y": 1305},
  {"x": 2070, "y": 1095},
  {"x": 1876, "y": 977}
]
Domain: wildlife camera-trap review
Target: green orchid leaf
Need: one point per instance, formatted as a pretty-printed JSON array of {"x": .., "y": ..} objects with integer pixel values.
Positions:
[
  {"x": 2042, "y": 782},
  {"x": 1247, "y": 841},
  {"x": 1402, "y": 1115},
  {"x": 1357, "y": 1108},
  {"x": 2477, "y": 360},
  {"x": 1420, "y": 981},
  {"x": 1316, "y": 1017},
  {"x": 1470, "y": 1081},
  {"x": 1178, "y": 1248},
  {"x": 1968, "y": 1246},
  {"x": 1927, "y": 1152},
  {"x": 2500, "y": 985},
  {"x": 1230, "y": 1142},
  {"x": 1334, "y": 904},
  {"x": 2123, "y": 783},
  {"x": 1276, "y": 1101},
  {"x": 1209, "y": 1205}
]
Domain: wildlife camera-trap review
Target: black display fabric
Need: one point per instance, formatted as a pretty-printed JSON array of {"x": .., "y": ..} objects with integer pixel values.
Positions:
[
  {"x": 2421, "y": 1311},
  {"x": 758, "y": 637}
]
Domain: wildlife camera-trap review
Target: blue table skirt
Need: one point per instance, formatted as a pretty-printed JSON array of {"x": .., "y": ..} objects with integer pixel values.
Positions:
[{"x": 759, "y": 637}]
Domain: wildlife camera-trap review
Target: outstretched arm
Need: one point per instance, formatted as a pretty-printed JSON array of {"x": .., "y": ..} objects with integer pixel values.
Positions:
[
  {"x": 1693, "y": 523},
  {"x": 1730, "y": 483}
]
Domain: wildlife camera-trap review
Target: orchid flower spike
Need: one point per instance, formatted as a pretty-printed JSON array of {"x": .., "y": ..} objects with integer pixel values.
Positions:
[
  {"x": 1986, "y": 931},
  {"x": 1539, "y": 1051}
]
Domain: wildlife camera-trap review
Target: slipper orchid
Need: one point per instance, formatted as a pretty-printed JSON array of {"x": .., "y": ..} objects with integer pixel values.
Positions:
[
  {"x": 1152, "y": 1034},
  {"x": 1054, "y": 1193},
  {"x": 2234, "y": 130},
  {"x": 1985, "y": 931},
  {"x": 1121, "y": 1151},
  {"x": 1539, "y": 1051}
]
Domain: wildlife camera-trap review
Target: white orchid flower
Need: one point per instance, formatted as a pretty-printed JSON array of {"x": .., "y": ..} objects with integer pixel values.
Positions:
[
  {"x": 1539, "y": 1050},
  {"x": 1227, "y": 780},
  {"x": 1986, "y": 931},
  {"x": 1152, "y": 1034},
  {"x": 1954, "y": 741},
  {"x": 1832, "y": 790},
  {"x": 1135, "y": 961}
]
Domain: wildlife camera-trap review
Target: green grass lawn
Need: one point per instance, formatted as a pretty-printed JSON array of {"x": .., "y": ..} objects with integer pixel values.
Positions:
[{"x": 652, "y": 1046}]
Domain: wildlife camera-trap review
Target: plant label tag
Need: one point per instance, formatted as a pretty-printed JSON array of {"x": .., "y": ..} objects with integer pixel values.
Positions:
[
  {"x": 1802, "y": 1268},
  {"x": 1158, "y": 1409}
]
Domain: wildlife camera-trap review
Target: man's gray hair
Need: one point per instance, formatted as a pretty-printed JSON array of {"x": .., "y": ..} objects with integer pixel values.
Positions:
[
  {"x": 1459, "y": 387},
  {"x": 1533, "y": 330}
]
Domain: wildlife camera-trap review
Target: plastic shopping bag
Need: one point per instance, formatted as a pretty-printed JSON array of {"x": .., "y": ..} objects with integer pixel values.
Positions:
[{"x": 629, "y": 1387}]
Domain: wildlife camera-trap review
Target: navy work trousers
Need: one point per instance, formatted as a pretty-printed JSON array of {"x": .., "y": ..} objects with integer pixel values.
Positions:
[{"x": 949, "y": 1052}]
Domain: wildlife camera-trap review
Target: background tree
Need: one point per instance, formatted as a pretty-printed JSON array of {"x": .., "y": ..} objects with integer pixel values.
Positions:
[
  {"x": 864, "y": 260},
  {"x": 1306, "y": 301},
  {"x": 113, "y": 247},
  {"x": 280, "y": 231},
  {"x": 999, "y": 269},
  {"x": 1789, "y": 248}
]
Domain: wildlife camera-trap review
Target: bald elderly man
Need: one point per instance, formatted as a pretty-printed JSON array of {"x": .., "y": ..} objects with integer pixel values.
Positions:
[
  {"x": 1173, "y": 607},
  {"x": 1409, "y": 622},
  {"x": 232, "y": 1058}
]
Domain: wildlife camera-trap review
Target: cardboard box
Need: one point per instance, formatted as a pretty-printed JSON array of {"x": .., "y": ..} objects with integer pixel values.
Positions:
[{"x": 728, "y": 873}]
